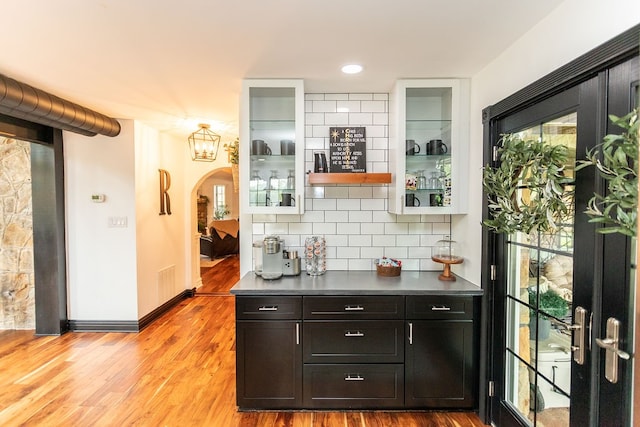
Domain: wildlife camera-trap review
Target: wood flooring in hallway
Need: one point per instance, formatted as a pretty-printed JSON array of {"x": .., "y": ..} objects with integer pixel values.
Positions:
[{"x": 179, "y": 371}]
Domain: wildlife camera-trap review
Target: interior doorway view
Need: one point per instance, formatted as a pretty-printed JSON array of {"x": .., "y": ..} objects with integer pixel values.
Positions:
[{"x": 217, "y": 207}]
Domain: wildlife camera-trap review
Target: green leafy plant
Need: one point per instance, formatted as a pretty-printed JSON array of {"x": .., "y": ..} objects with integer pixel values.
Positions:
[
  {"x": 616, "y": 159},
  {"x": 221, "y": 212},
  {"x": 550, "y": 303},
  {"x": 232, "y": 149},
  {"x": 527, "y": 191}
]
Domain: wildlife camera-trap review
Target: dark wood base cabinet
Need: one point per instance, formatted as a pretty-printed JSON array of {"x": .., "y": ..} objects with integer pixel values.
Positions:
[{"x": 356, "y": 352}]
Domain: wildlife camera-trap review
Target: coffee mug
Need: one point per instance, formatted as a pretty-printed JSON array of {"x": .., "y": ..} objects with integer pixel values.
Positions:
[
  {"x": 287, "y": 200},
  {"x": 287, "y": 147},
  {"x": 436, "y": 146},
  {"x": 260, "y": 148},
  {"x": 412, "y": 201},
  {"x": 435, "y": 199},
  {"x": 412, "y": 147}
]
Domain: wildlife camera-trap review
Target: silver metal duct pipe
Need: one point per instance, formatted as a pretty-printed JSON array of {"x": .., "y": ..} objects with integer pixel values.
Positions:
[{"x": 26, "y": 102}]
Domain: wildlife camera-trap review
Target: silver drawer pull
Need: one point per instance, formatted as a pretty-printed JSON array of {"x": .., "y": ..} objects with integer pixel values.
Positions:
[
  {"x": 355, "y": 377},
  {"x": 353, "y": 334},
  {"x": 268, "y": 308},
  {"x": 440, "y": 308},
  {"x": 353, "y": 308}
]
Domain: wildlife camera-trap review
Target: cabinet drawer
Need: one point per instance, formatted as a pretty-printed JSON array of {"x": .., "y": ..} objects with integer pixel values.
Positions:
[
  {"x": 354, "y": 342},
  {"x": 275, "y": 307},
  {"x": 353, "y": 386},
  {"x": 439, "y": 307},
  {"x": 354, "y": 307}
]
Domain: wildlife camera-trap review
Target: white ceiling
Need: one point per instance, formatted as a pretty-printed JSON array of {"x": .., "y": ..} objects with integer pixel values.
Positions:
[{"x": 174, "y": 63}]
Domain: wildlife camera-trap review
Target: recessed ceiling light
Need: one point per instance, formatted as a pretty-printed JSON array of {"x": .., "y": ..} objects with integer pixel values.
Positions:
[{"x": 352, "y": 69}]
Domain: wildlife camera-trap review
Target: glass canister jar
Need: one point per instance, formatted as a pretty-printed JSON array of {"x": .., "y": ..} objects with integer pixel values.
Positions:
[
  {"x": 257, "y": 257},
  {"x": 315, "y": 251}
]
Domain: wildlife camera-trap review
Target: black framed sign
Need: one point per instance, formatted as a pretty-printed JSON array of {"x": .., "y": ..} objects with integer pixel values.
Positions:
[{"x": 347, "y": 149}]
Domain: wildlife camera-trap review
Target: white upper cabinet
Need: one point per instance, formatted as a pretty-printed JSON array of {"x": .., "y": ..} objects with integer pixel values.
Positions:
[
  {"x": 271, "y": 153},
  {"x": 429, "y": 146}
]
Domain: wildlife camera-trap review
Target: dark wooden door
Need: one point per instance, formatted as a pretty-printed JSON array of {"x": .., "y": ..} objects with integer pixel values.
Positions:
[
  {"x": 268, "y": 364},
  {"x": 439, "y": 364},
  {"x": 577, "y": 393}
]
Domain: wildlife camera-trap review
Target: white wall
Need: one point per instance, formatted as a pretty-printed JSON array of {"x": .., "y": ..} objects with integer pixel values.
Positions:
[
  {"x": 572, "y": 29},
  {"x": 160, "y": 239},
  {"x": 101, "y": 260}
]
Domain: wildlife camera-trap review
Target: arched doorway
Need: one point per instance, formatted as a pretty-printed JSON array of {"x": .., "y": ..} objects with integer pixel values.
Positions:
[{"x": 215, "y": 212}]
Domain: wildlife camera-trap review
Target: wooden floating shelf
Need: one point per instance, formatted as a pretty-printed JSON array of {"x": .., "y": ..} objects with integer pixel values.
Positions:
[{"x": 350, "y": 178}]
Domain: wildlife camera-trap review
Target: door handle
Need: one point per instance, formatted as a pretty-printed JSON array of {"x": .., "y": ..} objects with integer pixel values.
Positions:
[
  {"x": 579, "y": 329},
  {"x": 612, "y": 352}
]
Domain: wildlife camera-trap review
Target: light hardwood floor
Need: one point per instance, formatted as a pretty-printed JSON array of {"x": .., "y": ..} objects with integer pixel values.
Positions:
[{"x": 179, "y": 371}]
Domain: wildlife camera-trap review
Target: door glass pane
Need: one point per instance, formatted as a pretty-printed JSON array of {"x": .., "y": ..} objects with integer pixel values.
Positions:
[{"x": 539, "y": 301}]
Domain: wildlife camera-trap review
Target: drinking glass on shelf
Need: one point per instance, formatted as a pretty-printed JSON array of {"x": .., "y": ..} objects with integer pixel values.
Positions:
[
  {"x": 255, "y": 185},
  {"x": 434, "y": 181},
  {"x": 421, "y": 180},
  {"x": 273, "y": 185},
  {"x": 291, "y": 180}
]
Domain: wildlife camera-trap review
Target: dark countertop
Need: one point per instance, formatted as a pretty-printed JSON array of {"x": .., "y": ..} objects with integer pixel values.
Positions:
[{"x": 356, "y": 283}]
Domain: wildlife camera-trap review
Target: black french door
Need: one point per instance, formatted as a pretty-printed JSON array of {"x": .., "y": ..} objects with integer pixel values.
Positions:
[{"x": 544, "y": 370}]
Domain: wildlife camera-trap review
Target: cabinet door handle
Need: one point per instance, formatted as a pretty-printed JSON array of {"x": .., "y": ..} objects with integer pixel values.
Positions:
[
  {"x": 440, "y": 308},
  {"x": 268, "y": 308},
  {"x": 353, "y": 308},
  {"x": 355, "y": 377},
  {"x": 410, "y": 333},
  {"x": 297, "y": 333},
  {"x": 353, "y": 334}
]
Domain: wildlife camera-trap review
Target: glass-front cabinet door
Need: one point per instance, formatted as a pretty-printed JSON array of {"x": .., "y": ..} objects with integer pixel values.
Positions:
[
  {"x": 429, "y": 146},
  {"x": 272, "y": 146}
]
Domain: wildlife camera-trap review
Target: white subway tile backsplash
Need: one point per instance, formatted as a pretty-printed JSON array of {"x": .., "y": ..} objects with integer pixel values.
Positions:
[
  {"x": 395, "y": 228},
  {"x": 441, "y": 228},
  {"x": 384, "y": 240},
  {"x": 370, "y": 228},
  {"x": 361, "y": 96},
  {"x": 362, "y": 192},
  {"x": 360, "y": 216},
  {"x": 372, "y": 205},
  {"x": 360, "y": 240},
  {"x": 320, "y": 228},
  {"x": 335, "y": 240},
  {"x": 312, "y": 216},
  {"x": 354, "y": 218},
  {"x": 337, "y": 119},
  {"x": 324, "y": 106},
  {"x": 419, "y": 252},
  {"x": 324, "y": 205},
  {"x": 360, "y": 119},
  {"x": 361, "y": 264},
  {"x": 313, "y": 119},
  {"x": 348, "y": 228},
  {"x": 350, "y": 106},
  {"x": 374, "y": 106},
  {"x": 408, "y": 240},
  {"x": 276, "y": 228},
  {"x": 347, "y": 252},
  {"x": 337, "y": 264},
  {"x": 384, "y": 217},
  {"x": 337, "y": 192},
  {"x": 348, "y": 204},
  {"x": 396, "y": 252},
  {"x": 371, "y": 252},
  {"x": 336, "y": 216},
  {"x": 336, "y": 96},
  {"x": 301, "y": 228}
]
